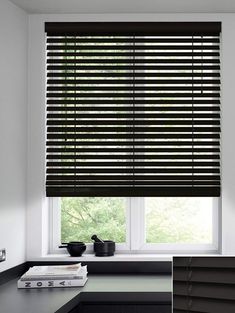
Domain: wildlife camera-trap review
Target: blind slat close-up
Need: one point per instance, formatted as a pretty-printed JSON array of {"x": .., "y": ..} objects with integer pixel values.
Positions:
[
  {"x": 133, "y": 109},
  {"x": 204, "y": 284}
]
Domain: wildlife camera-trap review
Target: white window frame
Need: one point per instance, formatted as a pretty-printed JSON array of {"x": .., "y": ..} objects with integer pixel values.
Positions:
[{"x": 135, "y": 232}]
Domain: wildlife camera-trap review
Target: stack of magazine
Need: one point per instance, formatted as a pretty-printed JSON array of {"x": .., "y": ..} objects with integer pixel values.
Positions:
[{"x": 73, "y": 275}]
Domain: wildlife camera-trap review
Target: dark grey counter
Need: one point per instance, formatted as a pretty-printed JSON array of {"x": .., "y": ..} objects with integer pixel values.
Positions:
[{"x": 131, "y": 288}]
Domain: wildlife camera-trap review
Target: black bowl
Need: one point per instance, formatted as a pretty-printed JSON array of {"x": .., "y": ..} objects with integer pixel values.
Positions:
[
  {"x": 106, "y": 248},
  {"x": 74, "y": 248}
]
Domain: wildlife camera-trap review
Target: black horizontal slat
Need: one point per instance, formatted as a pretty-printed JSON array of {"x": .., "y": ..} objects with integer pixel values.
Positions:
[
  {"x": 132, "y": 122},
  {"x": 132, "y": 191},
  {"x": 131, "y": 136},
  {"x": 130, "y": 40},
  {"x": 70, "y": 173},
  {"x": 137, "y": 143},
  {"x": 130, "y": 95},
  {"x": 102, "y": 74},
  {"x": 207, "y": 275},
  {"x": 132, "y": 116},
  {"x": 133, "y": 182},
  {"x": 137, "y": 150},
  {"x": 204, "y": 305},
  {"x": 94, "y": 170},
  {"x": 207, "y": 290},
  {"x": 127, "y": 157},
  {"x": 137, "y": 109},
  {"x": 134, "y": 88},
  {"x": 161, "y": 178},
  {"x": 134, "y": 53},
  {"x": 132, "y": 47},
  {"x": 131, "y": 61},
  {"x": 130, "y": 67},
  {"x": 134, "y": 101},
  {"x": 134, "y": 164},
  {"x": 210, "y": 262},
  {"x": 135, "y": 129},
  {"x": 131, "y": 81}
]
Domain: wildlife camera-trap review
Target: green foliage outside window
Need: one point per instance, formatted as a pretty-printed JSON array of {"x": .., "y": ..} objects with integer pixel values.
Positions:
[
  {"x": 167, "y": 220},
  {"x": 83, "y": 217},
  {"x": 178, "y": 220}
]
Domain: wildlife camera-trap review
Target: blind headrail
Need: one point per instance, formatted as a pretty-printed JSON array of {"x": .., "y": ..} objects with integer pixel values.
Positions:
[{"x": 132, "y": 28}]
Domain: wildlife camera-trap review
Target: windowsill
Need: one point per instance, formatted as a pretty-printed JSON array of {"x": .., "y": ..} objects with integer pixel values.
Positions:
[{"x": 115, "y": 258}]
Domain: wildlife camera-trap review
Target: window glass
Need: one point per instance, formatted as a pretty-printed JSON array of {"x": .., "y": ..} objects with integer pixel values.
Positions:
[
  {"x": 178, "y": 220},
  {"x": 85, "y": 216}
]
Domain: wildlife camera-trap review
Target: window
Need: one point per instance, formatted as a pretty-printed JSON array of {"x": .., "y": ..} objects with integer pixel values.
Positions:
[
  {"x": 138, "y": 224},
  {"x": 133, "y": 133}
]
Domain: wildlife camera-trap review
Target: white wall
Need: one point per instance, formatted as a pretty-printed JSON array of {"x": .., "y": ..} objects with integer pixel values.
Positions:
[
  {"x": 13, "y": 131},
  {"x": 36, "y": 169},
  {"x": 13, "y": 126},
  {"x": 228, "y": 135}
]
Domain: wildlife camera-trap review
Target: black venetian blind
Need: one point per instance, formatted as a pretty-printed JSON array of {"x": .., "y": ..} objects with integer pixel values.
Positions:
[
  {"x": 133, "y": 109},
  {"x": 204, "y": 284}
]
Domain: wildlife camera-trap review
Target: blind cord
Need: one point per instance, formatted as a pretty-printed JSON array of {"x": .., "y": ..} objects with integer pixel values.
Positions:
[
  {"x": 192, "y": 111},
  {"x": 133, "y": 99}
]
